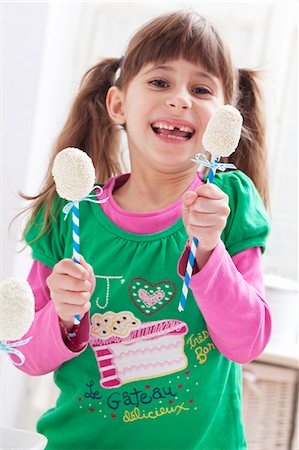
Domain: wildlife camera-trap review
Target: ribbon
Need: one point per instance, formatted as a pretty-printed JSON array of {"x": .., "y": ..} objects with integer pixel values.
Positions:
[
  {"x": 200, "y": 158},
  {"x": 88, "y": 198},
  {"x": 118, "y": 71},
  {"x": 10, "y": 348}
]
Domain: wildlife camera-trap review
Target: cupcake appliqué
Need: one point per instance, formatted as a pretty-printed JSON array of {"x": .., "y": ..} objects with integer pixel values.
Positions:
[{"x": 128, "y": 350}]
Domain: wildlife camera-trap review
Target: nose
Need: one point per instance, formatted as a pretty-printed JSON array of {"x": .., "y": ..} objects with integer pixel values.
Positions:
[{"x": 179, "y": 99}]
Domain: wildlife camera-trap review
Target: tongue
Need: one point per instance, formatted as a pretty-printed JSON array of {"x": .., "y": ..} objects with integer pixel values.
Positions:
[{"x": 175, "y": 132}]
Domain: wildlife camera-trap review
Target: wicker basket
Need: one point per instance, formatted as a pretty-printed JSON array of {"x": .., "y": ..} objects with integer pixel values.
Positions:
[{"x": 270, "y": 406}]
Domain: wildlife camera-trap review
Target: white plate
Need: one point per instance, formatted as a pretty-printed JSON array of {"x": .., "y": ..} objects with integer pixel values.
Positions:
[{"x": 14, "y": 439}]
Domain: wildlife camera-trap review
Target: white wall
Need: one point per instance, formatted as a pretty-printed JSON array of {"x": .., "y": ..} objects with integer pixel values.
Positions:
[
  {"x": 23, "y": 35},
  {"x": 46, "y": 49},
  {"x": 38, "y": 43},
  {"x": 23, "y": 38}
]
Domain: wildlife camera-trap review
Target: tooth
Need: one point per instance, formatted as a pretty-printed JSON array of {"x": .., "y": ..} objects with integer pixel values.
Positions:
[
  {"x": 162, "y": 125},
  {"x": 167, "y": 126},
  {"x": 186, "y": 129},
  {"x": 176, "y": 137}
]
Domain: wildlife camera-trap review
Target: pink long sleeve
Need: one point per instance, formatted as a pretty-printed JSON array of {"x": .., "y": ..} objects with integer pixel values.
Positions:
[
  {"x": 46, "y": 350},
  {"x": 230, "y": 294},
  {"x": 240, "y": 332},
  {"x": 228, "y": 290}
]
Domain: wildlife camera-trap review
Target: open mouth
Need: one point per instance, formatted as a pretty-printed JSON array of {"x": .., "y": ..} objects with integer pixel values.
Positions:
[{"x": 166, "y": 130}]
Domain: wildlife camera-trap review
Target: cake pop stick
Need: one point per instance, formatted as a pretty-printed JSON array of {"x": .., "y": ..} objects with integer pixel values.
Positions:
[
  {"x": 221, "y": 139},
  {"x": 74, "y": 177},
  {"x": 17, "y": 314}
]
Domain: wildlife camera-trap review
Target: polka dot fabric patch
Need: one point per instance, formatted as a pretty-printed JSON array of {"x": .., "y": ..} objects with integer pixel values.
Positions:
[{"x": 150, "y": 298}]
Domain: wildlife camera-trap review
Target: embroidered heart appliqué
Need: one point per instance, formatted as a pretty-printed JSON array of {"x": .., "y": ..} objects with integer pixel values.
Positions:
[{"x": 150, "y": 298}]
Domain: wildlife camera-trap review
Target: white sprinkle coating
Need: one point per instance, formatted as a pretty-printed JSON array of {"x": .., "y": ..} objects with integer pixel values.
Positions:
[
  {"x": 73, "y": 173},
  {"x": 223, "y": 131},
  {"x": 16, "y": 308}
]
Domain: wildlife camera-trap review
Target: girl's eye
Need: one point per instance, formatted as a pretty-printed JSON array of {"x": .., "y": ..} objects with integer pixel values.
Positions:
[
  {"x": 159, "y": 83},
  {"x": 201, "y": 91}
]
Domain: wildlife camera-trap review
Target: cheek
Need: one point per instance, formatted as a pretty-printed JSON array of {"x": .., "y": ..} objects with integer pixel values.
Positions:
[
  {"x": 209, "y": 110},
  {"x": 137, "y": 113}
]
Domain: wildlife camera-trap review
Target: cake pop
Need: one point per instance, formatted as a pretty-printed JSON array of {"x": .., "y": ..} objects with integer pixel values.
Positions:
[
  {"x": 17, "y": 314},
  {"x": 220, "y": 139}
]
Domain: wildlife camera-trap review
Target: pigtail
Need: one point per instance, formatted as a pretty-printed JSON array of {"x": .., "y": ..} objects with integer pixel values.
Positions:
[
  {"x": 89, "y": 128},
  {"x": 251, "y": 155}
]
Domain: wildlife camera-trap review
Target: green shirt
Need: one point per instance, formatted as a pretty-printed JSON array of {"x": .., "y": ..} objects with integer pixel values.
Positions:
[{"x": 151, "y": 377}]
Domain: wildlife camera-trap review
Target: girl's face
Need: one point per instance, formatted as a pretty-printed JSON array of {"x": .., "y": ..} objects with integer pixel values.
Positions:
[{"x": 166, "y": 108}]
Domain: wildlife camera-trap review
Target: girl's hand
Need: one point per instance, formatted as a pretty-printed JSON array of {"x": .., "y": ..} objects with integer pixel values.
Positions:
[
  {"x": 71, "y": 287},
  {"x": 205, "y": 213}
]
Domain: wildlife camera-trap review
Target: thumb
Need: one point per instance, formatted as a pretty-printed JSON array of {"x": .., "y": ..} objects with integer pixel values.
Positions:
[
  {"x": 87, "y": 266},
  {"x": 91, "y": 274},
  {"x": 188, "y": 198}
]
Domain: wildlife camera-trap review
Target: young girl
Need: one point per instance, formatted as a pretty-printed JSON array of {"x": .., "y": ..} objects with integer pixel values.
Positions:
[{"x": 136, "y": 373}]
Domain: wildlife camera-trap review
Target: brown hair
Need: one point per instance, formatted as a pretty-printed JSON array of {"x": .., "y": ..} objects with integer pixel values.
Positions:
[
  {"x": 179, "y": 34},
  {"x": 251, "y": 154}
]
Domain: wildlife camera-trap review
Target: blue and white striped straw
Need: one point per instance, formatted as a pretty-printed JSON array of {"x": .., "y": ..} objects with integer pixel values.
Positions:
[
  {"x": 188, "y": 274},
  {"x": 194, "y": 245},
  {"x": 76, "y": 243},
  {"x": 74, "y": 206}
]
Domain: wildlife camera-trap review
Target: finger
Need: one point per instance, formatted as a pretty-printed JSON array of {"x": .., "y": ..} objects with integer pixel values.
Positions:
[
  {"x": 68, "y": 283},
  {"x": 198, "y": 231},
  {"x": 67, "y": 312},
  {"x": 204, "y": 235},
  {"x": 69, "y": 267},
  {"x": 210, "y": 206},
  {"x": 210, "y": 190},
  {"x": 87, "y": 266},
  {"x": 203, "y": 220},
  {"x": 71, "y": 298}
]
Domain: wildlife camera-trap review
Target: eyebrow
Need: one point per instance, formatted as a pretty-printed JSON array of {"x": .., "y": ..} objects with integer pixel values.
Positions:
[{"x": 171, "y": 69}]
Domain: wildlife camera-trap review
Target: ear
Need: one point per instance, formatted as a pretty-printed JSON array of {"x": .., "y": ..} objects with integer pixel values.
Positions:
[{"x": 114, "y": 105}]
